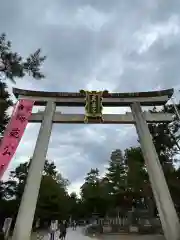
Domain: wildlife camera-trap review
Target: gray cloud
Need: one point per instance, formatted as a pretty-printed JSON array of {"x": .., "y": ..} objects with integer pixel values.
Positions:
[{"x": 116, "y": 45}]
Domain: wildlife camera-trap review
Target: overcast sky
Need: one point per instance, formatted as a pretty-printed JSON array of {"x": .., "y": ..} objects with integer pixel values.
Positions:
[{"x": 119, "y": 45}]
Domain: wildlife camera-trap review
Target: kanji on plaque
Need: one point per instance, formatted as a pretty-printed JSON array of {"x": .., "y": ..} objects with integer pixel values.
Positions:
[
  {"x": 14, "y": 132},
  {"x": 93, "y": 106}
]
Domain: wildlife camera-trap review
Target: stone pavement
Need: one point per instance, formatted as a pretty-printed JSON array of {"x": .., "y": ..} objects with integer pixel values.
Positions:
[
  {"x": 131, "y": 237},
  {"x": 77, "y": 235},
  {"x": 71, "y": 235}
]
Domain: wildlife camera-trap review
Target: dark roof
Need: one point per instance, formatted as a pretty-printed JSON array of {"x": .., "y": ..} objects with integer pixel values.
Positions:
[
  {"x": 107, "y": 95},
  {"x": 17, "y": 92}
]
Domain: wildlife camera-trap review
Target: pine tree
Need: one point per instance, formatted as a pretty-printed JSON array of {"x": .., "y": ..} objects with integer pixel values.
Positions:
[
  {"x": 116, "y": 172},
  {"x": 5, "y": 103},
  {"x": 12, "y": 66}
]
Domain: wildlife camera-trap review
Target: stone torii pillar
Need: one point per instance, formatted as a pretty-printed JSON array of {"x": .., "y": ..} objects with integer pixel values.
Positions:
[
  {"x": 168, "y": 216},
  {"x": 24, "y": 221}
]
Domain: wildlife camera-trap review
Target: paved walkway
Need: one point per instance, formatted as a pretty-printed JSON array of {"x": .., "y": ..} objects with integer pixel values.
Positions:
[
  {"x": 77, "y": 235},
  {"x": 132, "y": 237},
  {"x": 71, "y": 235}
]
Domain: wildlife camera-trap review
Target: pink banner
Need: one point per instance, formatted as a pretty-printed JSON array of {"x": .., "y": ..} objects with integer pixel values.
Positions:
[{"x": 14, "y": 132}]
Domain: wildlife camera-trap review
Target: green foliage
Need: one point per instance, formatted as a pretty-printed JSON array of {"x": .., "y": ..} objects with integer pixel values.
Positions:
[
  {"x": 90, "y": 188},
  {"x": 5, "y": 103},
  {"x": 137, "y": 175},
  {"x": 116, "y": 172},
  {"x": 166, "y": 137},
  {"x": 92, "y": 192},
  {"x": 52, "y": 196},
  {"x": 12, "y": 65},
  {"x": 74, "y": 203}
]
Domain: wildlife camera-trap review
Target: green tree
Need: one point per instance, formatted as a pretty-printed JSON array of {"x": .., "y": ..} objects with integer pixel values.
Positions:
[
  {"x": 91, "y": 193},
  {"x": 90, "y": 189},
  {"x": 53, "y": 191},
  {"x": 5, "y": 103},
  {"x": 50, "y": 169},
  {"x": 2, "y": 189},
  {"x": 18, "y": 179},
  {"x": 166, "y": 137},
  {"x": 19, "y": 175},
  {"x": 52, "y": 200},
  {"x": 136, "y": 174},
  {"x": 138, "y": 181},
  {"x": 116, "y": 172},
  {"x": 62, "y": 181},
  {"x": 73, "y": 206},
  {"x": 173, "y": 180},
  {"x": 117, "y": 181},
  {"x": 13, "y": 66}
]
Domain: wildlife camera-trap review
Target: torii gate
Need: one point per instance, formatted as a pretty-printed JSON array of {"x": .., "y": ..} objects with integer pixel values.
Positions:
[{"x": 93, "y": 103}]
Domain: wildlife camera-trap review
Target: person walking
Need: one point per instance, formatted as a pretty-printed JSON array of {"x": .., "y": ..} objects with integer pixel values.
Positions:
[
  {"x": 74, "y": 225},
  {"x": 63, "y": 230},
  {"x": 53, "y": 228}
]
